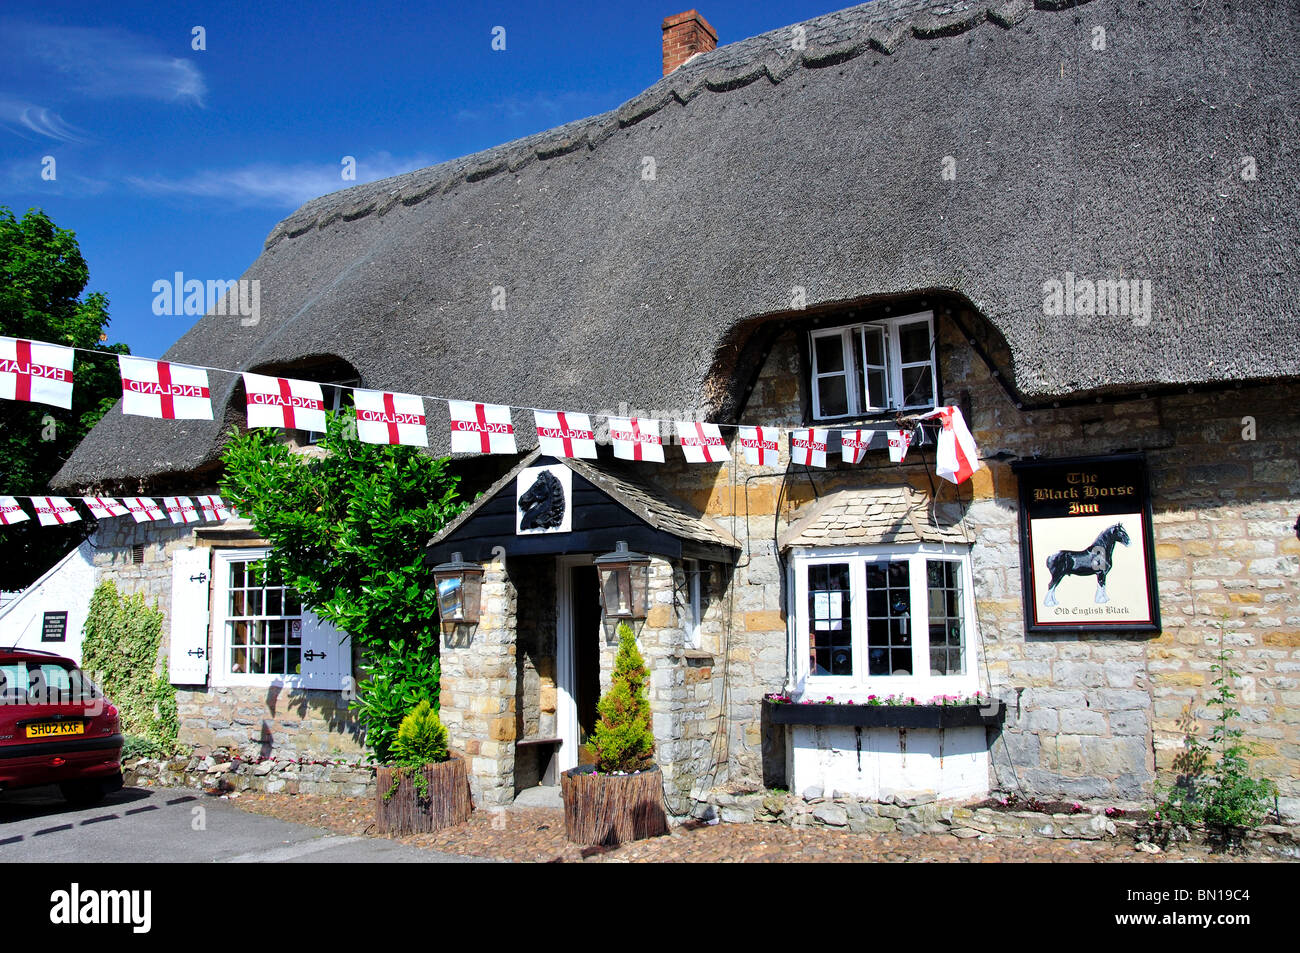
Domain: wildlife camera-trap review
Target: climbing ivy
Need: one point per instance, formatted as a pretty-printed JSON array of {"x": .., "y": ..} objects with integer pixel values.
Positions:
[{"x": 119, "y": 651}]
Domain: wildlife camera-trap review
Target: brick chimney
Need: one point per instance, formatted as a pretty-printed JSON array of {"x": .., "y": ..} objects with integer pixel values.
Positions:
[{"x": 685, "y": 35}]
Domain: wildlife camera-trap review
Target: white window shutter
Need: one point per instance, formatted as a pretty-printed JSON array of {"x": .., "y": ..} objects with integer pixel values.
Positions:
[
  {"x": 326, "y": 654},
  {"x": 191, "y": 577}
]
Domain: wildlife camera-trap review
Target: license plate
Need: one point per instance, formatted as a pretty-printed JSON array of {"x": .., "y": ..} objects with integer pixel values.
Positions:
[{"x": 54, "y": 729}]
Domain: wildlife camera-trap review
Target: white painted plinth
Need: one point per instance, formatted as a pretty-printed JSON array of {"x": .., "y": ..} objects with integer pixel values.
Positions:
[{"x": 872, "y": 762}]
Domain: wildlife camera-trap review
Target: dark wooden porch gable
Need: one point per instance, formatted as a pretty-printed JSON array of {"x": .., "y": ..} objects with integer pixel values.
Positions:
[{"x": 599, "y": 523}]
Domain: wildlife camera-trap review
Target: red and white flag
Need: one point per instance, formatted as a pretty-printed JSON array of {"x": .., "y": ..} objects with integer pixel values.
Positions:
[
  {"x": 854, "y": 444},
  {"x": 562, "y": 434},
  {"x": 281, "y": 402},
  {"x": 102, "y": 507},
  {"x": 54, "y": 510},
  {"x": 390, "y": 418},
  {"x": 899, "y": 441},
  {"x": 636, "y": 439},
  {"x": 956, "y": 457},
  {"x": 808, "y": 447},
  {"x": 35, "y": 372},
  {"x": 162, "y": 390},
  {"x": 180, "y": 509},
  {"x": 11, "y": 512},
  {"x": 702, "y": 443},
  {"x": 762, "y": 445},
  {"x": 481, "y": 428},
  {"x": 213, "y": 509},
  {"x": 143, "y": 508}
]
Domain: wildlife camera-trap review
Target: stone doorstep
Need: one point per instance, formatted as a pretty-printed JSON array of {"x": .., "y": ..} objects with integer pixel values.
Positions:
[{"x": 955, "y": 818}]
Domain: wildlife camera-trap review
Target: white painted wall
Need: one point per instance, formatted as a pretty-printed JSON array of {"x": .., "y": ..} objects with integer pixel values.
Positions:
[
  {"x": 948, "y": 764},
  {"x": 65, "y": 588}
]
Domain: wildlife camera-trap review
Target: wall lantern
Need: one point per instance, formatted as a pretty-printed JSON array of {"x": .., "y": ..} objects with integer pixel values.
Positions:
[
  {"x": 460, "y": 585},
  {"x": 624, "y": 583}
]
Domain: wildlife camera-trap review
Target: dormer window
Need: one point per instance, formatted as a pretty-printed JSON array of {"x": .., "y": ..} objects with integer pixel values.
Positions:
[{"x": 876, "y": 367}]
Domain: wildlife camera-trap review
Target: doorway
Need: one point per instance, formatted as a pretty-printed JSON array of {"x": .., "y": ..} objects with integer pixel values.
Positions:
[{"x": 578, "y": 646}]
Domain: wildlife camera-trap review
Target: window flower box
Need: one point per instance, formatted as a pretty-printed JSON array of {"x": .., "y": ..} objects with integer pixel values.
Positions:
[{"x": 934, "y": 715}]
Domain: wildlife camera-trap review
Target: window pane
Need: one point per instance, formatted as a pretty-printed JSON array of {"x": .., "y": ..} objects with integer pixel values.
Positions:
[
  {"x": 878, "y": 395},
  {"x": 832, "y": 396},
  {"x": 830, "y": 632},
  {"x": 830, "y": 353},
  {"x": 918, "y": 387},
  {"x": 237, "y": 602},
  {"x": 914, "y": 342},
  {"x": 876, "y": 346},
  {"x": 947, "y": 626},
  {"x": 889, "y": 632},
  {"x": 236, "y": 575},
  {"x": 273, "y": 601}
]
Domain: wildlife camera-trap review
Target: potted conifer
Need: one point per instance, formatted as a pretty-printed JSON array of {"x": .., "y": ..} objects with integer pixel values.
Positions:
[
  {"x": 620, "y": 797},
  {"x": 424, "y": 788}
]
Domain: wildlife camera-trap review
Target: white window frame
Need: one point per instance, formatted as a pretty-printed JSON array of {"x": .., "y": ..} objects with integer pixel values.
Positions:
[
  {"x": 860, "y": 402},
  {"x": 693, "y": 570},
  {"x": 221, "y": 675},
  {"x": 860, "y": 684}
]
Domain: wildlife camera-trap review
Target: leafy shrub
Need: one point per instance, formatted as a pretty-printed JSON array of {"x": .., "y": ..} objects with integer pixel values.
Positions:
[
  {"x": 347, "y": 532},
  {"x": 421, "y": 740},
  {"x": 622, "y": 741},
  {"x": 1217, "y": 792},
  {"x": 119, "y": 652}
]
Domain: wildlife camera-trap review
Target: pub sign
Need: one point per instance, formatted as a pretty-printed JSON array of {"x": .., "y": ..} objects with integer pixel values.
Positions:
[{"x": 1086, "y": 557}]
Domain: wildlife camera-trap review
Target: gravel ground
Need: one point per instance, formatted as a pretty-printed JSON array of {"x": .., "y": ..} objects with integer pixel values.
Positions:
[{"x": 537, "y": 835}]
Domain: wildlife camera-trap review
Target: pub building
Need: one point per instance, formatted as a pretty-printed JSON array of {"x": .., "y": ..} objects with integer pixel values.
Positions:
[{"x": 839, "y": 235}]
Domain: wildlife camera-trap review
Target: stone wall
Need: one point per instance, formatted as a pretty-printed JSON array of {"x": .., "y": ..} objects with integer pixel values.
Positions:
[
  {"x": 260, "y": 722},
  {"x": 1088, "y": 715}
]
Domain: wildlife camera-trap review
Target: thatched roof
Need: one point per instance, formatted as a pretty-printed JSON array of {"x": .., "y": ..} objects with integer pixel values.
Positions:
[{"x": 821, "y": 168}]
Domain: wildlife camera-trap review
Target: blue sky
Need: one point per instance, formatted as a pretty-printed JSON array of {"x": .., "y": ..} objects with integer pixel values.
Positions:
[{"x": 167, "y": 158}]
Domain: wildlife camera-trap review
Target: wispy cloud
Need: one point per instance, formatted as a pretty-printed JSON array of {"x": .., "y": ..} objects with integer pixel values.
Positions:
[
  {"x": 279, "y": 185},
  {"x": 18, "y": 115},
  {"x": 570, "y": 104},
  {"x": 24, "y": 177},
  {"x": 103, "y": 63}
]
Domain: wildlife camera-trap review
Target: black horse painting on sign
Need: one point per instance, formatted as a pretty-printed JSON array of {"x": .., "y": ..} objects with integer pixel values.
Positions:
[
  {"x": 542, "y": 504},
  {"x": 1096, "y": 560}
]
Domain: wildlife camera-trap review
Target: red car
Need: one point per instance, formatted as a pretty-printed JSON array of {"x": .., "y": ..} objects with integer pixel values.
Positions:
[{"x": 56, "y": 727}]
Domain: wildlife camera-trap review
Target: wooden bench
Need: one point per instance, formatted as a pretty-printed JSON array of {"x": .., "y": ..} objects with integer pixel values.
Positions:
[{"x": 547, "y": 749}]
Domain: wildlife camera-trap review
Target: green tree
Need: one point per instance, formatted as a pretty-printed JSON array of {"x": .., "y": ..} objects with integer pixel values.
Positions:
[
  {"x": 42, "y": 278},
  {"x": 347, "y": 531},
  {"x": 622, "y": 740}
]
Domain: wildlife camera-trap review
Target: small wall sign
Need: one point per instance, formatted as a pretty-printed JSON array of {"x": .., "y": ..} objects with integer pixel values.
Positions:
[
  {"x": 1086, "y": 555},
  {"x": 544, "y": 500},
  {"x": 54, "y": 627}
]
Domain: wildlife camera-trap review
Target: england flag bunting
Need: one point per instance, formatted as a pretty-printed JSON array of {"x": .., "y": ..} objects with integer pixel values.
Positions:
[
  {"x": 162, "y": 390},
  {"x": 35, "y": 372},
  {"x": 390, "y": 418},
  {"x": 854, "y": 444},
  {"x": 562, "y": 434},
  {"x": 281, "y": 402},
  {"x": 143, "y": 508},
  {"x": 11, "y": 512},
  {"x": 102, "y": 507},
  {"x": 481, "y": 428},
  {"x": 808, "y": 447},
  {"x": 956, "y": 457},
  {"x": 180, "y": 509},
  {"x": 54, "y": 510},
  {"x": 899, "y": 441},
  {"x": 701, "y": 443},
  {"x": 762, "y": 445},
  {"x": 213, "y": 509},
  {"x": 636, "y": 439}
]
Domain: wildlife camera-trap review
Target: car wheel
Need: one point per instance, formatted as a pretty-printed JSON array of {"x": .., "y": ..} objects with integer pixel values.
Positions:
[{"x": 82, "y": 793}]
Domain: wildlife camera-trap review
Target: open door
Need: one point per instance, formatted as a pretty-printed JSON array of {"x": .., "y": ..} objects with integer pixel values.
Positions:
[{"x": 578, "y": 642}]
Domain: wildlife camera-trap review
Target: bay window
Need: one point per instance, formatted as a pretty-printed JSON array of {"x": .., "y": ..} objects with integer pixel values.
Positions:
[
  {"x": 884, "y": 620},
  {"x": 875, "y": 367}
]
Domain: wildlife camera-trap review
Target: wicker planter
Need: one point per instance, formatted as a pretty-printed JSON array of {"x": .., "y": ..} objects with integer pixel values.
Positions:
[
  {"x": 406, "y": 812},
  {"x": 610, "y": 809},
  {"x": 887, "y": 716}
]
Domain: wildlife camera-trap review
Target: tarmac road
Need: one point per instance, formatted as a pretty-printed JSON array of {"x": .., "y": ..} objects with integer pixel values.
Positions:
[{"x": 174, "y": 825}]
